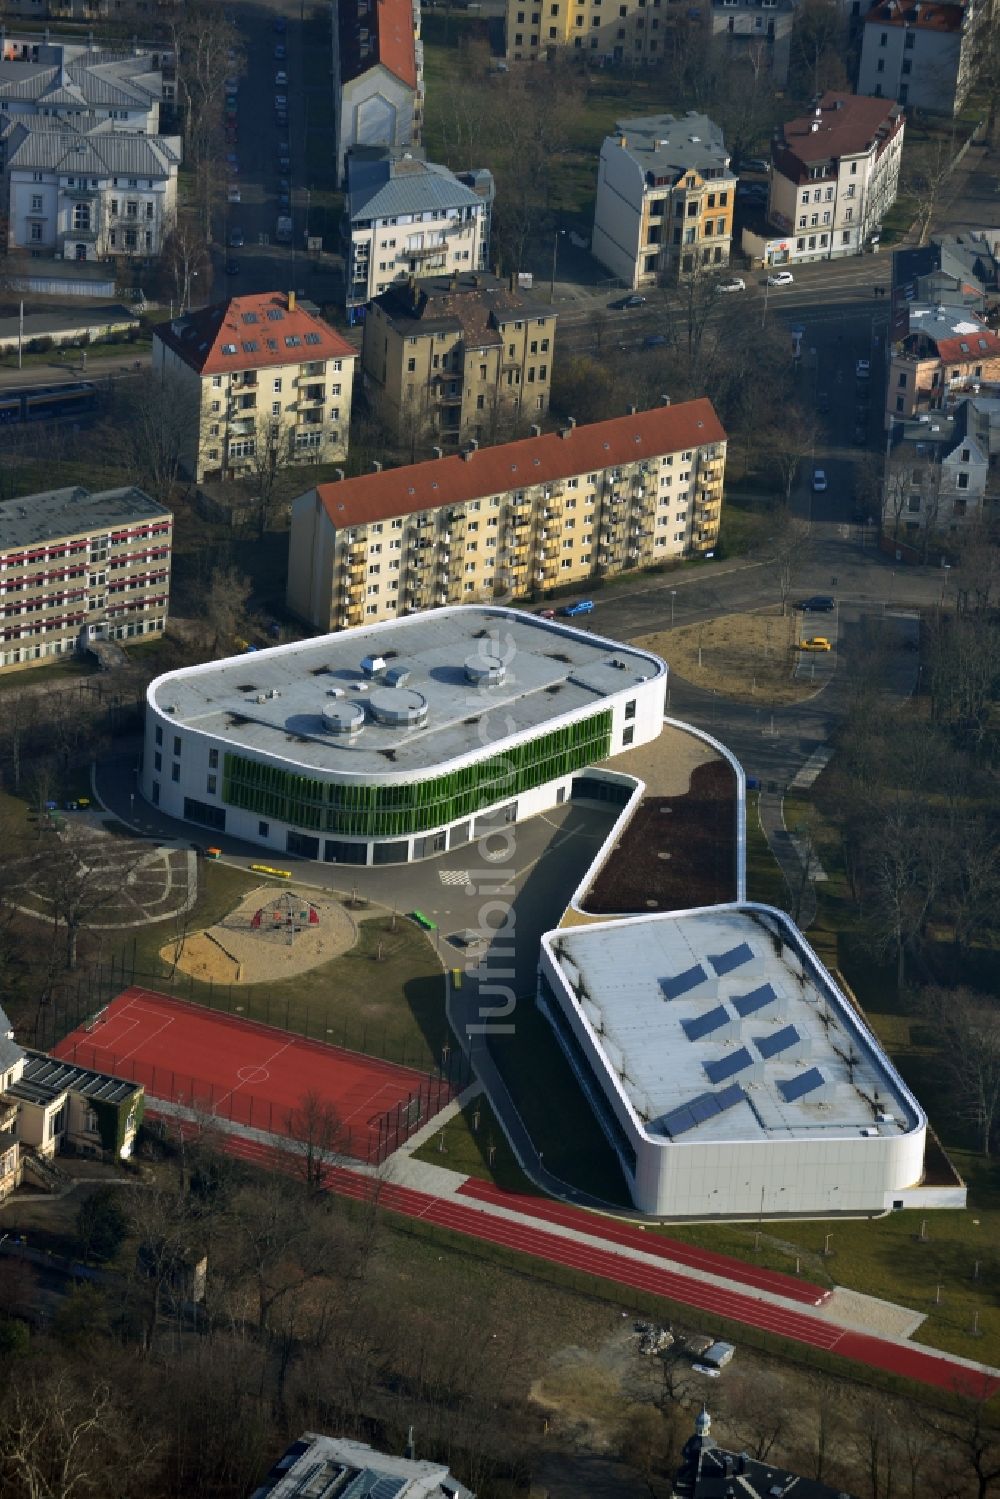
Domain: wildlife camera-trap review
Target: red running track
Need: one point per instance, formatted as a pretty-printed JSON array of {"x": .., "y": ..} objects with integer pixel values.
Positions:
[
  {"x": 906, "y": 1361},
  {"x": 239, "y": 1069},
  {"x": 598, "y": 1226}
]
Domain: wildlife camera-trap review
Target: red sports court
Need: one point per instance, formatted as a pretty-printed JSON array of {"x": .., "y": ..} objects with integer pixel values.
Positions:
[{"x": 253, "y": 1074}]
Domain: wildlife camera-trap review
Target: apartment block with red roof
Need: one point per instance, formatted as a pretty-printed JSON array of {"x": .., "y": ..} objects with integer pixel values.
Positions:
[
  {"x": 378, "y": 76},
  {"x": 835, "y": 176},
  {"x": 923, "y": 53},
  {"x": 945, "y": 352},
  {"x": 509, "y": 522},
  {"x": 254, "y": 377}
]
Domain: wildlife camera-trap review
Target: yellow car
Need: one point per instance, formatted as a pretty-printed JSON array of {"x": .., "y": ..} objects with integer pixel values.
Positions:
[{"x": 816, "y": 643}]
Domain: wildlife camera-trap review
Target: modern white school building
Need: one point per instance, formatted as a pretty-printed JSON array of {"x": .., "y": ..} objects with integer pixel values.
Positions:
[{"x": 398, "y": 740}]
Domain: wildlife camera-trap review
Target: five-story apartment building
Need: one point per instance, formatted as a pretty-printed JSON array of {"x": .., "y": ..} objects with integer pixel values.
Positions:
[
  {"x": 512, "y": 521},
  {"x": 255, "y": 377},
  {"x": 77, "y": 567},
  {"x": 665, "y": 197}
]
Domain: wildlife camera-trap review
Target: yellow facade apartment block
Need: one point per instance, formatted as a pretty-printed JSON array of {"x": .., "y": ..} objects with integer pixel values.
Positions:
[{"x": 512, "y": 521}]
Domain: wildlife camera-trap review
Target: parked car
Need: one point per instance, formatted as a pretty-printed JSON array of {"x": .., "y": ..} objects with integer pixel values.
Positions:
[
  {"x": 231, "y": 85},
  {"x": 232, "y": 267},
  {"x": 546, "y": 613},
  {"x": 654, "y": 340},
  {"x": 233, "y": 194},
  {"x": 754, "y": 164},
  {"x": 706, "y": 1369},
  {"x": 863, "y": 369},
  {"x": 780, "y": 278},
  {"x": 632, "y": 300},
  {"x": 281, "y": 118},
  {"x": 818, "y": 603},
  {"x": 281, "y": 79},
  {"x": 815, "y": 643},
  {"x": 236, "y": 240},
  {"x": 582, "y": 606},
  {"x": 822, "y": 402},
  {"x": 861, "y": 434},
  {"x": 279, "y": 25},
  {"x": 284, "y": 199},
  {"x": 732, "y": 283},
  {"x": 232, "y": 162},
  {"x": 279, "y": 52},
  {"x": 819, "y": 481}
]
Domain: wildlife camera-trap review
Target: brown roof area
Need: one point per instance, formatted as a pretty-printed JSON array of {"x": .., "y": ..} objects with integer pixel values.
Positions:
[
  {"x": 848, "y": 126},
  {"x": 917, "y": 13},
  {"x": 517, "y": 465},
  {"x": 257, "y": 330},
  {"x": 983, "y": 344},
  {"x": 388, "y": 25},
  {"x": 476, "y": 302}
]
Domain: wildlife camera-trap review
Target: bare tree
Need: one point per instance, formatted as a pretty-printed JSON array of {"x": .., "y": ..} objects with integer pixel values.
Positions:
[
  {"x": 61, "y": 1436},
  {"x": 316, "y": 1128},
  {"x": 968, "y": 1026},
  {"x": 152, "y": 432},
  {"x": 224, "y": 607},
  {"x": 185, "y": 259}
]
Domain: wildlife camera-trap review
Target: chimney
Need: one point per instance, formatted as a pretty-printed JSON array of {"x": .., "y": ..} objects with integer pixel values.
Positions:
[
  {"x": 410, "y": 1450},
  {"x": 814, "y": 127},
  {"x": 471, "y": 449},
  {"x": 437, "y": 452},
  {"x": 536, "y": 430},
  {"x": 376, "y": 466},
  {"x": 567, "y": 431},
  {"x": 291, "y": 301},
  {"x": 664, "y": 400},
  {"x": 623, "y": 142},
  {"x": 632, "y": 410},
  {"x": 338, "y": 474}
]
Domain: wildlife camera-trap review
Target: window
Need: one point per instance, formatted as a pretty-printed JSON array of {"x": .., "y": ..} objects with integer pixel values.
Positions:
[
  {"x": 159, "y": 734},
  {"x": 630, "y": 708},
  {"x": 628, "y": 734},
  {"x": 36, "y": 202},
  {"x": 175, "y": 772},
  {"x": 963, "y": 481},
  {"x": 883, "y": 39},
  {"x": 211, "y": 784},
  {"x": 411, "y": 365},
  {"x": 81, "y": 215},
  {"x": 35, "y": 232},
  {"x": 213, "y": 759},
  {"x": 263, "y": 830},
  {"x": 177, "y": 744}
]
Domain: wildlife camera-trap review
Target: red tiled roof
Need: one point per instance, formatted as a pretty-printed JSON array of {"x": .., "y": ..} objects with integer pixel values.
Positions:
[
  {"x": 979, "y": 345},
  {"x": 249, "y": 326},
  {"x": 848, "y": 124},
  {"x": 517, "y": 465},
  {"x": 926, "y": 17},
  {"x": 390, "y": 40}
]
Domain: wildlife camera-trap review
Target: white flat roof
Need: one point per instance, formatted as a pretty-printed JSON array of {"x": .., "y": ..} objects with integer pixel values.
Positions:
[
  {"x": 274, "y": 701},
  {"x": 721, "y": 1024}
]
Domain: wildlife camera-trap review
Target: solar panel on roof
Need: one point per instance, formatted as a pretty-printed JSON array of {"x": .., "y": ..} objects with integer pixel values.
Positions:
[
  {"x": 387, "y": 1487},
  {"x": 680, "y": 983},
  {"x": 749, "y": 1004},
  {"x": 704, "y": 1025},
  {"x": 797, "y": 1087},
  {"x": 769, "y": 1046},
  {"x": 727, "y": 1066},
  {"x": 725, "y": 962},
  {"x": 688, "y": 1116}
]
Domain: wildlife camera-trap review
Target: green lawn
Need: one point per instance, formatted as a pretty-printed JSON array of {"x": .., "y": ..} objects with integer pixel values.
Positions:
[
  {"x": 558, "y": 1117},
  {"x": 765, "y": 881},
  {"x": 389, "y": 1005},
  {"x": 473, "y": 1144},
  {"x": 52, "y": 672}
]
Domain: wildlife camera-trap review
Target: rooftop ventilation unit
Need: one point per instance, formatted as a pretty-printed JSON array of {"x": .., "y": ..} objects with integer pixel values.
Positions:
[
  {"x": 398, "y": 707},
  {"x": 343, "y": 718},
  {"x": 485, "y": 671},
  {"x": 373, "y": 666},
  {"x": 397, "y": 676}
]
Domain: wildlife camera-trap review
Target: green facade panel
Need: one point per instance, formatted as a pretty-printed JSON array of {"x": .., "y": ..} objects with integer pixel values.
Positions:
[{"x": 386, "y": 811}]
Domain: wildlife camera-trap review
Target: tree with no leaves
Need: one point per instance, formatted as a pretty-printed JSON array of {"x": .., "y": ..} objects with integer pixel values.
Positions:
[
  {"x": 316, "y": 1128},
  {"x": 967, "y": 1025},
  {"x": 61, "y": 1438},
  {"x": 224, "y": 607}
]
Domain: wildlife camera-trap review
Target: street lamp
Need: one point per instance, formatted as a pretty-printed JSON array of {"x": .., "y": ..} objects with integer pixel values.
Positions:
[
  {"x": 555, "y": 262},
  {"x": 673, "y": 595}
]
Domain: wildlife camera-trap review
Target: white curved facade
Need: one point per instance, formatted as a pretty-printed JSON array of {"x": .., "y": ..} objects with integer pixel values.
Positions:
[
  {"x": 729, "y": 1072},
  {"x": 396, "y": 741}
]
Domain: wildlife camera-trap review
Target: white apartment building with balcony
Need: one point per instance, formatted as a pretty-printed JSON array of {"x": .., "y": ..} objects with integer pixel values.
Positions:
[
  {"x": 406, "y": 217},
  {"x": 255, "y": 371},
  {"x": 77, "y": 567},
  {"x": 514, "y": 520},
  {"x": 835, "y": 176},
  {"x": 87, "y": 195}
]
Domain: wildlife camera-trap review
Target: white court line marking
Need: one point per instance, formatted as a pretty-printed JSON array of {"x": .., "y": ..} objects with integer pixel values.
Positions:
[
  {"x": 265, "y": 1063},
  {"x": 149, "y": 1036},
  {"x": 123, "y": 1030}
]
